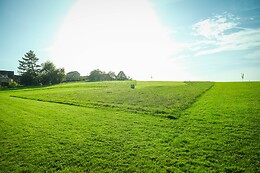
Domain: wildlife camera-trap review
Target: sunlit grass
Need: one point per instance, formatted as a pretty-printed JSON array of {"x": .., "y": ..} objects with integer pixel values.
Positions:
[
  {"x": 217, "y": 133},
  {"x": 165, "y": 98}
]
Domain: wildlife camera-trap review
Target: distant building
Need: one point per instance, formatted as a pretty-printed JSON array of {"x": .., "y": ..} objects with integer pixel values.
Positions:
[{"x": 8, "y": 76}]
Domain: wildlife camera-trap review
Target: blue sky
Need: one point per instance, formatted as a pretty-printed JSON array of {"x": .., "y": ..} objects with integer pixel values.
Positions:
[
  {"x": 28, "y": 25},
  {"x": 214, "y": 40}
]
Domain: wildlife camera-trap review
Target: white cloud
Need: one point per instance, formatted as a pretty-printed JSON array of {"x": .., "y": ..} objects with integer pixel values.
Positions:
[
  {"x": 215, "y": 27},
  {"x": 241, "y": 40},
  {"x": 215, "y": 39}
]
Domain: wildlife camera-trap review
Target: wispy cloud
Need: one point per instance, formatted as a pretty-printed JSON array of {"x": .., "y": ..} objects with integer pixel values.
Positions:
[
  {"x": 222, "y": 33},
  {"x": 215, "y": 27},
  {"x": 241, "y": 40}
]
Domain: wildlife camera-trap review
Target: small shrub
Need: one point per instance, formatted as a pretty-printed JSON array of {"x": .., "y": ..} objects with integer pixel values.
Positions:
[{"x": 13, "y": 84}]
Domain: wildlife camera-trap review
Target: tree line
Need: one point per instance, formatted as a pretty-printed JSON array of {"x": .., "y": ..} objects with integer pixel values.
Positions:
[
  {"x": 47, "y": 73},
  {"x": 96, "y": 75}
]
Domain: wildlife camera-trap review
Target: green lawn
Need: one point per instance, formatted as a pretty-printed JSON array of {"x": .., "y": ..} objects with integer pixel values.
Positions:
[
  {"x": 108, "y": 127},
  {"x": 164, "y": 98}
]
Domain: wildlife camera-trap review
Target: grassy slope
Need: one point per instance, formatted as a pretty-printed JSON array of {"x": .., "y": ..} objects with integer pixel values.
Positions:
[{"x": 220, "y": 132}]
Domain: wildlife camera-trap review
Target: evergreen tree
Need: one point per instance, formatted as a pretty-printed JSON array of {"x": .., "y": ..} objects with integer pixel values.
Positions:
[
  {"x": 29, "y": 69},
  {"x": 121, "y": 76}
]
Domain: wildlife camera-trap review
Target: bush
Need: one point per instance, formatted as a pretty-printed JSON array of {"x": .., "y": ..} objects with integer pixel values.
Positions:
[{"x": 13, "y": 84}]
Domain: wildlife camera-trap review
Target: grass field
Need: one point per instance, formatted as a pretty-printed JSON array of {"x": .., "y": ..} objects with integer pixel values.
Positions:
[
  {"x": 109, "y": 127},
  {"x": 164, "y": 98}
]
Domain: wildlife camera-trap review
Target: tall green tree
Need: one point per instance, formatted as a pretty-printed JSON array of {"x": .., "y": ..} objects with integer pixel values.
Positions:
[
  {"x": 29, "y": 69},
  {"x": 50, "y": 74},
  {"x": 121, "y": 76},
  {"x": 111, "y": 75},
  {"x": 96, "y": 75}
]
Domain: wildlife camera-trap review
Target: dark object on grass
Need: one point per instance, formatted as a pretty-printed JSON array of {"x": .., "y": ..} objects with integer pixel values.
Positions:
[{"x": 132, "y": 86}]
